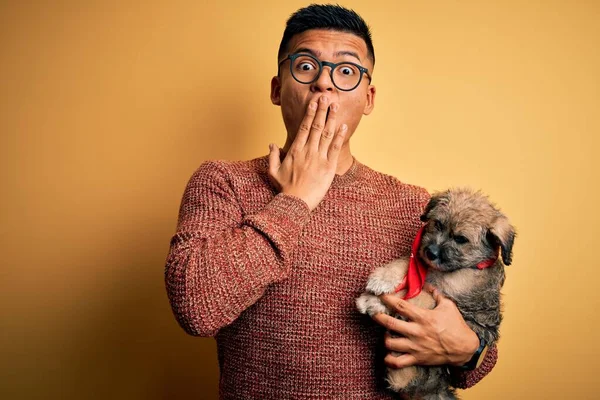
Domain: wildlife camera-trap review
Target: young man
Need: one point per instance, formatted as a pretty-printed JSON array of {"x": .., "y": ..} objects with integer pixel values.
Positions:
[{"x": 270, "y": 254}]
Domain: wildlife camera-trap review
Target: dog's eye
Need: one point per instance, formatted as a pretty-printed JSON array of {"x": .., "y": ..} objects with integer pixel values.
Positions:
[
  {"x": 439, "y": 226},
  {"x": 461, "y": 239}
]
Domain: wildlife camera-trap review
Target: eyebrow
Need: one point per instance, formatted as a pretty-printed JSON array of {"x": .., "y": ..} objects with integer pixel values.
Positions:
[{"x": 317, "y": 53}]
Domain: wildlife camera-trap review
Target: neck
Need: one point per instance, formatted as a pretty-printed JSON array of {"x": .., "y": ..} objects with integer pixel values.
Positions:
[{"x": 344, "y": 160}]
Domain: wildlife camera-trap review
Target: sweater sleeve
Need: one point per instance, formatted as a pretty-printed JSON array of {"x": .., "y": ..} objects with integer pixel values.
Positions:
[{"x": 220, "y": 261}]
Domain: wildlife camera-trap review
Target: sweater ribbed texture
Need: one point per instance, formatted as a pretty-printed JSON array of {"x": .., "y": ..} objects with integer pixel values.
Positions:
[{"x": 276, "y": 283}]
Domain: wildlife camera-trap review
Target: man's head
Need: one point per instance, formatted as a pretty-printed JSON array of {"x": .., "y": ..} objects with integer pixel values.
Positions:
[
  {"x": 333, "y": 34},
  {"x": 330, "y": 17}
]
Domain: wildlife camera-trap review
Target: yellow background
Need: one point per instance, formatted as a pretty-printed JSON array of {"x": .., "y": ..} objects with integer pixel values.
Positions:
[{"x": 106, "y": 109}]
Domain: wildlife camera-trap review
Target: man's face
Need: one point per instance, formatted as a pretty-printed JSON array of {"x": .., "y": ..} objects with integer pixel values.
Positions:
[{"x": 294, "y": 97}]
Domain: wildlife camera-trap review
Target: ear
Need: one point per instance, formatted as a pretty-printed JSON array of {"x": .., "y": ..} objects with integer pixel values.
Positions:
[
  {"x": 503, "y": 235},
  {"x": 436, "y": 200},
  {"x": 276, "y": 91},
  {"x": 370, "y": 100}
]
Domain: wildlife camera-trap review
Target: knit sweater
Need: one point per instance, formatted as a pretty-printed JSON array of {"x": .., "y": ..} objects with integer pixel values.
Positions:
[{"x": 276, "y": 284}]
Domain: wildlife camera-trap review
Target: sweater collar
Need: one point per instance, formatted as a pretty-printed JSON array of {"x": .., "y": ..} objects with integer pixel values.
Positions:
[{"x": 349, "y": 176}]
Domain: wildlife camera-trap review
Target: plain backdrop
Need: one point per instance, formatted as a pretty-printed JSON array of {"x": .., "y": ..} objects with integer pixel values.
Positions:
[{"x": 108, "y": 107}]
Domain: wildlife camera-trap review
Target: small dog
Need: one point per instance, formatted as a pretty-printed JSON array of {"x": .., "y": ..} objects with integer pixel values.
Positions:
[{"x": 459, "y": 247}]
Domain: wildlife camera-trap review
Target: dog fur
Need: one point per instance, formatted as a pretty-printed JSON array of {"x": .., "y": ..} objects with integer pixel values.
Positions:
[{"x": 462, "y": 229}]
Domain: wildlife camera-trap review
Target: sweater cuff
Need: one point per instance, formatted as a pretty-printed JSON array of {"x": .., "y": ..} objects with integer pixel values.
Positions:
[
  {"x": 466, "y": 379},
  {"x": 281, "y": 221}
]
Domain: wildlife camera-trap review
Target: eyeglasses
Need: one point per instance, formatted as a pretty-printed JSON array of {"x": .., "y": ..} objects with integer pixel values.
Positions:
[{"x": 306, "y": 68}]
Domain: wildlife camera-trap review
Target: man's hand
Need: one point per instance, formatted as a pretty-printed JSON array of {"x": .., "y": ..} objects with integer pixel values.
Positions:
[
  {"x": 308, "y": 168},
  {"x": 429, "y": 337}
]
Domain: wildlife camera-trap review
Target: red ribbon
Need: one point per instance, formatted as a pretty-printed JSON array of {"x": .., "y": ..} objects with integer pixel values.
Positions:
[{"x": 417, "y": 271}]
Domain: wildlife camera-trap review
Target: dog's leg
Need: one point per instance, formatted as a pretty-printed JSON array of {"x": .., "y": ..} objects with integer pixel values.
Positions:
[
  {"x": 370, "y": 304},
  {"x": 385, "y": 279}
]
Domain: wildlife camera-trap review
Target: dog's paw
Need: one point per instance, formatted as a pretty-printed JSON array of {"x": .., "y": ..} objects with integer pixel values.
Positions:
[
  {"x": 385, "y": 279},
  {"x": 371, "y": 305}
]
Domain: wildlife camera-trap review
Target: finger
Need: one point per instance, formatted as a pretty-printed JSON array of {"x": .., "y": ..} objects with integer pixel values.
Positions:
[
  {"x": 399, "y": 344},
  {"x": 329, "y": 130},
  {"x": 274, "y": 161},
  {"x": 402, "y": 307},
  {"x": 337, "y": 143},
  {"x": 401, "y": 361},
  {"x": 394, "y": 324},
  {"x": 318, "y": 123},
  {"x": 304, "y": 129}
]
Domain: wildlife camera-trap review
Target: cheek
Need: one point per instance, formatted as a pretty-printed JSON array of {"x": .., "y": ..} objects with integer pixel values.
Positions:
[
  {"x": 289, "y": 95},
  {"x": 292, "y": 107},
  {"x": 352, "y": 111},
  {"x": 291, "y": 101}
]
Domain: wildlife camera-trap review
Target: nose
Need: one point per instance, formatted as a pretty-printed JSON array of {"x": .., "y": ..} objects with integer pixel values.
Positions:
[
  {"x": 432, "y": 252},
  {"x": 323, "y": 83}
]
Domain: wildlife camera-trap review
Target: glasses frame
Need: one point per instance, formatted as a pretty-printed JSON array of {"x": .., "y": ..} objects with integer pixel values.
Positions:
[{"x": 321, "y": 64}]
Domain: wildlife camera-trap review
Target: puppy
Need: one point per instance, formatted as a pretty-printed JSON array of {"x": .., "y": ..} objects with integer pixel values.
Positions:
[{"x": 458, "y": 249}]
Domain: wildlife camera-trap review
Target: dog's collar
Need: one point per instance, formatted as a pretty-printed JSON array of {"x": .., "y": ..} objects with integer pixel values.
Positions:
[
  {"x": 487, "y": 263},
  {"x": 417, "y": 271}
]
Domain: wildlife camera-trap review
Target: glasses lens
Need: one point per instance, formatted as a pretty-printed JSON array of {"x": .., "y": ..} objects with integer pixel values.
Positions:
[
  {"x": 346, "y": 76},
  {"x": 305, "y": 68}
]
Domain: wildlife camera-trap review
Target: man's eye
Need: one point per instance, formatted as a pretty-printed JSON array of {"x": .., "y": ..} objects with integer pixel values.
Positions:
[
  {"x": 461, "y": 239},
  {"x": 439, "y": 226},
  {"x": 306, "y": 66},
  {"x": 347, "y": 71}
]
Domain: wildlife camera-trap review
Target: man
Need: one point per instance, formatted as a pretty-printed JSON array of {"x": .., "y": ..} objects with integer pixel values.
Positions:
[{"x": 270, "y": 254}]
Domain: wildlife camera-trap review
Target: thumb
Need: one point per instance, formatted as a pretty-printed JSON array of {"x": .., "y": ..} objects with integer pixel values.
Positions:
[{"x": 274, "y": 162}]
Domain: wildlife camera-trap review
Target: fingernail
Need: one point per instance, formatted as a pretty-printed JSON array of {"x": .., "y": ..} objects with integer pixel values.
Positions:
[
  {"x": 324, "y": 99},
  {"x": 313, "y": 106},
  {"x": 344, "y": 127},
  {"x": 271, "y": 146},
  {"x": 335, "y": 107}
]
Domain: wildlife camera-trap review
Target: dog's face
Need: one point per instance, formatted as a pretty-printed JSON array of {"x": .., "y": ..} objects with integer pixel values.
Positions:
[{"x": 463, "y": 229}]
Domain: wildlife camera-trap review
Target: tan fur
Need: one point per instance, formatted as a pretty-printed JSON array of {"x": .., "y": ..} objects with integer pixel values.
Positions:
[
  {"x": 399, "y": 378},
  {"x": 423, "y": 300},
  {"x": 458, "y": 282}
]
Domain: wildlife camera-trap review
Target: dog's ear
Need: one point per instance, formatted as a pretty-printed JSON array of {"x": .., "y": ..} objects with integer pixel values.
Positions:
[
  {"x": 436, "y": 200},
  {"x": 503, "y": 235}
]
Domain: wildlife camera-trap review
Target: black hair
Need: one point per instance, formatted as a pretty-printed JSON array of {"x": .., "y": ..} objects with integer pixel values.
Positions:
[{"x": 326, "y": 16}]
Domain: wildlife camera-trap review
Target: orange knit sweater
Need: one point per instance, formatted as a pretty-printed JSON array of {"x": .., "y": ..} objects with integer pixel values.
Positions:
[{"x": 276, "y": 283}]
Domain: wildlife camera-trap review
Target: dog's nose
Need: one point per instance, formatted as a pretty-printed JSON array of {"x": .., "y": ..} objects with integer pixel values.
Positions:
[{"x": 432, "y": 252}]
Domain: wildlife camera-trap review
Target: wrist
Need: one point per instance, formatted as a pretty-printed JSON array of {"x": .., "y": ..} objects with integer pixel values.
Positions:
[
  {"x": 478, "y": 356},
  {"x": 306, "y": 199},
  {"x": 465, "y": 354}
]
